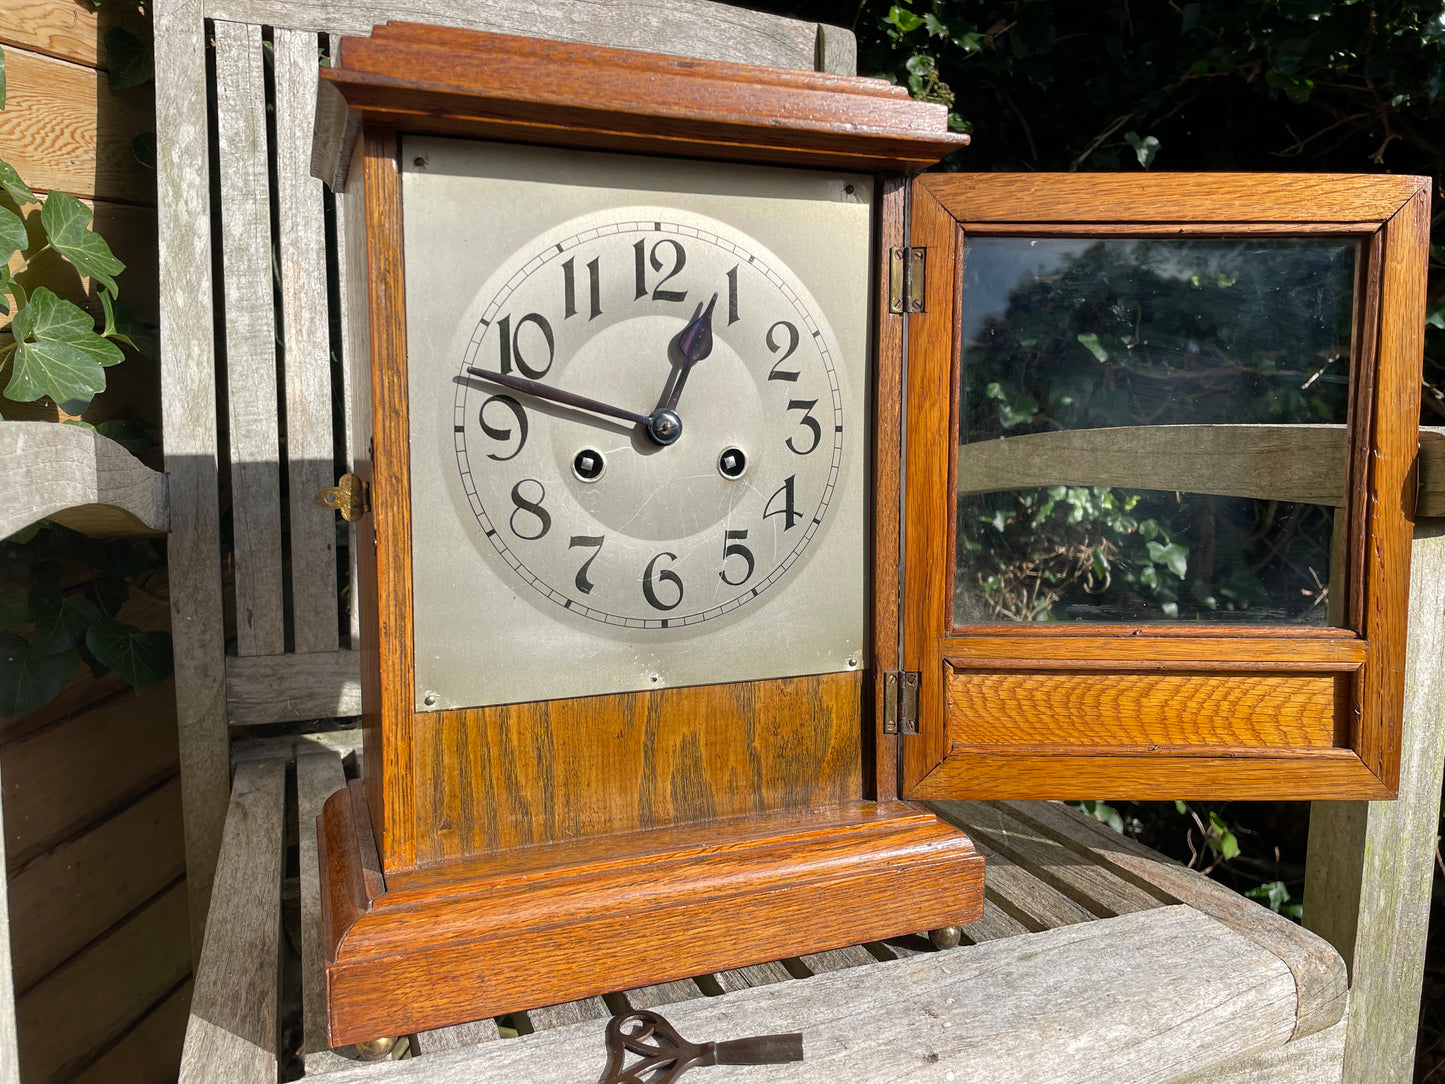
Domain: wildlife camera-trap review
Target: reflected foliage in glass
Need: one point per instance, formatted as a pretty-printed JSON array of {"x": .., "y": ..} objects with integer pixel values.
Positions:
[{"x": 1086, "y": 333}]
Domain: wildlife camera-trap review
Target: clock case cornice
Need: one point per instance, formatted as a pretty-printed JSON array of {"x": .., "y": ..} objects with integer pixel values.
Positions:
[
  {"x": 817, "y": 852},
  {"x": 432, "y": 80}
]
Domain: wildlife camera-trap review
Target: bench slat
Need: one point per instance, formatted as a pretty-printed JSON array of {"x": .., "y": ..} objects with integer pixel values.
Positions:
[
  {"x": 250, "y": 338},
  {"x": 310, "y": 455},
  {"x": 232, "y": 1032},
  {"x": 318, "y": 776}
]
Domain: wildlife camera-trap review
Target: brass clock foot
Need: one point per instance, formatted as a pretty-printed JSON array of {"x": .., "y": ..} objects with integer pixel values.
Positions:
[
  {"x": 375, "y": 1049},
  {"x": 945, "y": 937}
]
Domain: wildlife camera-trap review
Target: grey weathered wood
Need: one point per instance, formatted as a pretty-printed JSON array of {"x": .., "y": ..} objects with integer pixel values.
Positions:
[
  {"x": 679, "y": 27},
  {"x": 837, "y": 50},
  {"x": 188, "y": 408},
  {"x": 1430, "y": 501},
  {"x": 1303, "y": 463},
  {"x": 456, "y": 1037},
  {"x": 310, "y": 448},
  {"x": 337, "y": 743},
  {"x": 741, "y": 978},
  {"x": 1022, "y": 896},
  {"x": 1315, "y": 1059},
  {"x": 994, "y": 924},
  {"x": 820, "y": 963},
  {"x": 250, "y": 339},
  {"x": 318, "y": 776},
  {"x": 658, "y": 995},
  {"x": 1148, "y": 997},
  {"x": 9, "y": 1050},
  {"x": 1369, "y": 873},
  {"x": 78, "y": 478},
  {"x": 282, "y": 688},
  {"x": 1318, "y": 970},
  {"x": 232, "y": 1031},
  {"x": 1083, "y": 881},
  {"x": 569, "y": 1012}
]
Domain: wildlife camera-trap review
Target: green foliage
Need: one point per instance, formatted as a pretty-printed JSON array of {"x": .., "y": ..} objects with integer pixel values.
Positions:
[
  {"x": 1276, "y": 896},
  {"x": 60, "y": 592}
]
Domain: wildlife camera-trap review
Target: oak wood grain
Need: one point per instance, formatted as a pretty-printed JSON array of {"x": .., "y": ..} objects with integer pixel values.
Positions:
[
  {"x": 500, "y": 87},
  {"x": 66, "y": 31},
  {"x": 1088, "y": 198},
  {"x": 541, "y": 925},
  {"x": 515, "y": 775},
  {"x": 1142, "y": 711}
]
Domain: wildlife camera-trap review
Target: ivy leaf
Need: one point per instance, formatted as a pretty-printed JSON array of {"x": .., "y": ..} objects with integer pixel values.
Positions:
[
  {"x": 129, "y": 61},
  {"x": 10, "y": 180},
  {"x": 57, "y": 352},
  {"x": 1090, "y": 342},
  {"x": 30, "y": 679},
  {"x": 1144, "y": 149},
  {"x": 142, "y": 658},
  {"x": 60, "y": 620},
  {"x": 1174, "y": 556},
  {"x": 904, "y": 19},
  {"x": 13, "y": 237},
  {"x": 66, "y": 221},
  {"x": 1273, "y": 895},
  {"x": 121, "y": 326}
]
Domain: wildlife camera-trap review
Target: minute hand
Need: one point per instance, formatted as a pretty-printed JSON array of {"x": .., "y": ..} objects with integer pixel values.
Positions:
[{"x": 557, "y": 395}]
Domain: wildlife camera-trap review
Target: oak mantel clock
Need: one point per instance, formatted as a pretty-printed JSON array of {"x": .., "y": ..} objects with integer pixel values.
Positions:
[{"x": 639, "y": 675}]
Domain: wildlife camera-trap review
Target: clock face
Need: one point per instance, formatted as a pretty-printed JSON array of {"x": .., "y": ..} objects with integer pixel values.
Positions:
[
  {"x": 637, "y": 404},
  {"x": 711, "y": 501}
]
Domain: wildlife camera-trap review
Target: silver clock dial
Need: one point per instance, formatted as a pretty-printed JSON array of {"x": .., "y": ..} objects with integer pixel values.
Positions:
[{"x": 629, "y": 523}]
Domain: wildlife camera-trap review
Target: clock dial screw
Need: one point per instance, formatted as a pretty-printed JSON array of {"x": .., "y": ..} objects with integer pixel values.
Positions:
[
  {"x": 664, "y": 426},
  {"x": 588, "y": 465},
  {"x": 732, "y": 463},
  {"x": 429, "y": 699}
]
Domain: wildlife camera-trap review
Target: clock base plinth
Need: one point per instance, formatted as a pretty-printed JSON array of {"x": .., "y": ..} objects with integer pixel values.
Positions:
[{"x": 541, "y": 925}]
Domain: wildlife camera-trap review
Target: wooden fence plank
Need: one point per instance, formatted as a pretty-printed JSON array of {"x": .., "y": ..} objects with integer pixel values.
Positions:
[
  {"x": 318, "y": 776},
  {"x": 64, "y": 128},
  {"x": 66, "y": 31},
  {"x": 59, "y": 780},
  {"x": 78, "y": 1010},
  {"x": 1369, "y": 871},
  {"x": 188, "y": 392},
  {"x": 150, "y": 1053},
  {"x": 310, "y": 457},
  {"x": 283, "y": 688},
  {"x": 250, "y": 339},
  {"x": 1271, "y": 462},
  {"x": 680, "y": 27},
  {"x": 232, "y": 1032},
  {"x": 78, "y": 478},
  {"x": 66, "y": 898},
  {"x": 1027, "y": 1008},
  {"x": 128, "y": 229}
]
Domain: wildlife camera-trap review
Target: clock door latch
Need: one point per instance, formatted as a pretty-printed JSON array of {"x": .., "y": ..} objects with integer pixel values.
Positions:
[
  {"x": 900, "y": 702},
  {"x": 907, "y": 269},
  {"x": 350, "y": 496}
]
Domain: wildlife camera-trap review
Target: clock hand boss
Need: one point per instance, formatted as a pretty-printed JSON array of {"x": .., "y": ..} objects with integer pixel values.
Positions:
[
  {"x": 663, "y": 426},
  {"x": 695, "y": 342}
]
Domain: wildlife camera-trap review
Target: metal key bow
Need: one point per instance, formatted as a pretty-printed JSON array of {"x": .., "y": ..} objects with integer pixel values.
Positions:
[{"x": 664, "y": 1055}]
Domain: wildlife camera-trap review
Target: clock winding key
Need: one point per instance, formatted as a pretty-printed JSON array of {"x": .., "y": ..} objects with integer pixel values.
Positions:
[{"x": 664, "y": 1055}]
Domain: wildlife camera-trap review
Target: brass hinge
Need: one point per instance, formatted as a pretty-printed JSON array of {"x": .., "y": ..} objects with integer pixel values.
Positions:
[
  {"x": 900, "y": 702},
  {"x": 350, "y": 496},
  {"x": 907, "y": 277}
]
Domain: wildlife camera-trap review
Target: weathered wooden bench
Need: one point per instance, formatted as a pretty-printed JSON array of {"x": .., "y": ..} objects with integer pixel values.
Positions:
[{"x": 1095, "y": 959}]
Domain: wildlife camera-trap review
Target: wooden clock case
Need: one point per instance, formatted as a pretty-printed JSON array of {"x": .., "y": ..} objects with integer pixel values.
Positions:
[{"x": 502, "y": 858}]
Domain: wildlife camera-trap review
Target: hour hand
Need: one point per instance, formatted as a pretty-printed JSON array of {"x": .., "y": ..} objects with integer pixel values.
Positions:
[
  {"x": 695, "y": 342},
  {"x": 557, "y": 395}
]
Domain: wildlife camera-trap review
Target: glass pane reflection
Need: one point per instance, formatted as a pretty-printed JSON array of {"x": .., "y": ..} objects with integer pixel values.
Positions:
[{"x": 1064, "y": 334}]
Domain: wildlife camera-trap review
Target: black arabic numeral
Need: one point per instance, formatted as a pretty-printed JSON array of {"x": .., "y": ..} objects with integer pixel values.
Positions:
[
  {"x": 584, "y": 584},
  {"x": 732, "y": 549},
  {"x": 679, "y": 259},
  {"x": 776, "y": 373},
  {"x": 510, "y": 342},
  {"x": 788, "y": 512},
  {"x": 532, "y": 508},
  {"x": 496, "y": 432},
  {"x": 806, "y": 406},
  {"x": 665, "y": 576},
  {"x": 733, "y": 295}
]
